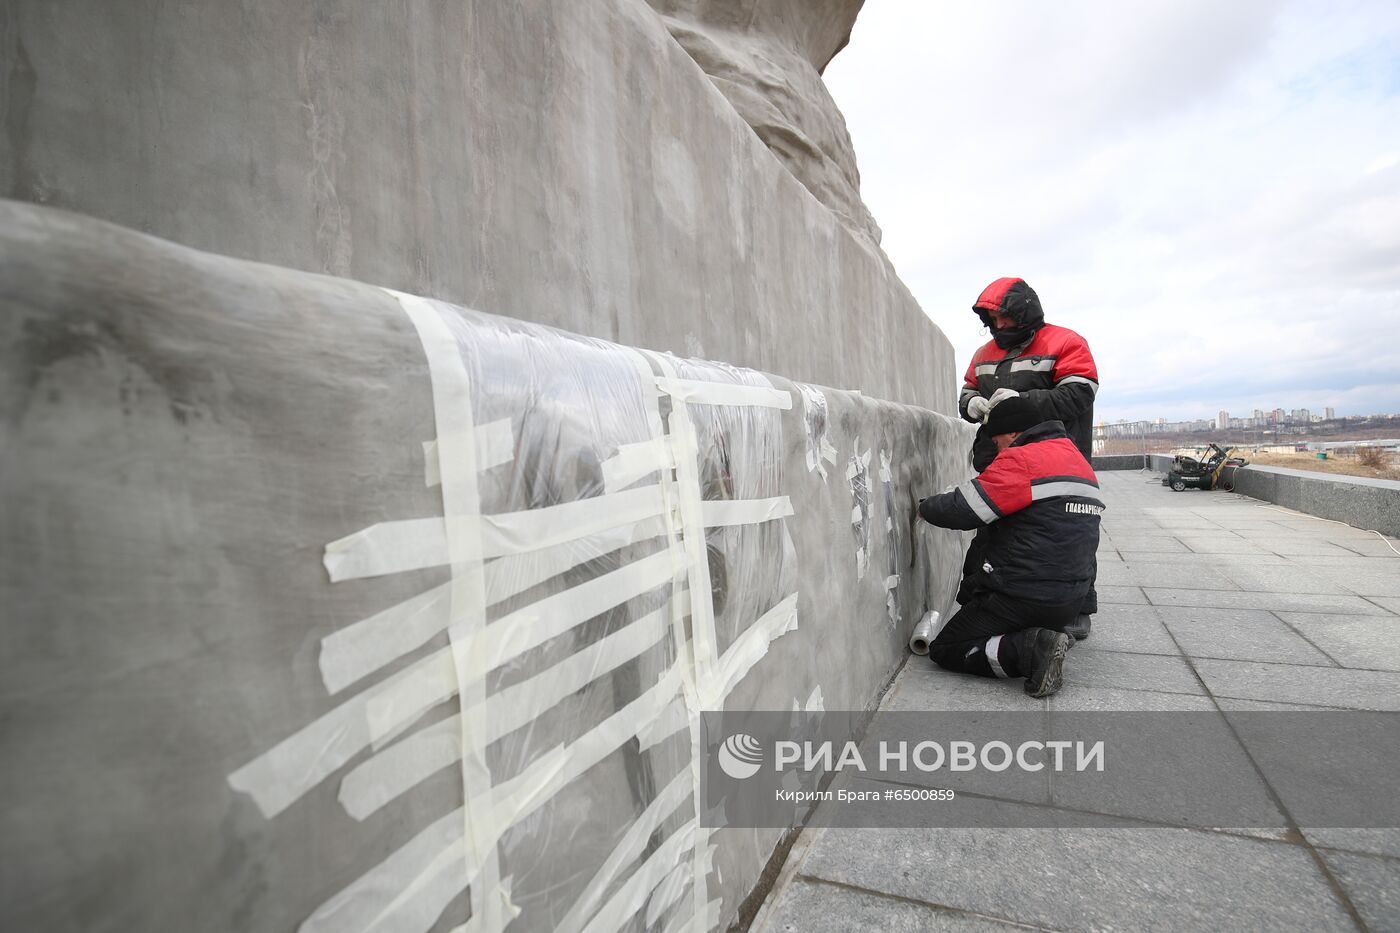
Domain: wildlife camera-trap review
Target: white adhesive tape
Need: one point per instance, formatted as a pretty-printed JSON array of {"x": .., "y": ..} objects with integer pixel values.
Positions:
[
  {"x": 405, "y": 764},
  {"x": 494, "y": 811},
  {"x": 675, "y": 718},
  {"x": 634, "y": 461},
  {"x": 495, "y": 445},
  {"x": 280, "y": 776},
  {"x": 510, "y": 911},
  {"x": 667, "y": 893},
  {"x": 698, "y": 392},
  {"x": 461, "y": 502},
  {"x": 512, "y": 635},
  {"x": 634, "y": 892},
  {"x": 628, "y": 848},
  {"x": 417, "y": 543},
  {"x": 706, "y": 918},
  {"x": 367, "y": 898},
  {"x": 718, "y": 513},
  {"x": 747, "y": 649},
  {"x": 366, "y": 646}
]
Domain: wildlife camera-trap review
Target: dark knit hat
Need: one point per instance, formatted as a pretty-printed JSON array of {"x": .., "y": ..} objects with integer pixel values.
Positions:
[{"x": 1013, "y": 415}]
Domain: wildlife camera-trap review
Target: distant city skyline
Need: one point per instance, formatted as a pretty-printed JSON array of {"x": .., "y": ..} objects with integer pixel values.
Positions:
[{"x": 1289, "y": 415}]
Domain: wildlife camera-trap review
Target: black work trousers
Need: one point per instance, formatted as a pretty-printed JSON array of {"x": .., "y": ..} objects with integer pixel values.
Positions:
[{"x": 962, "y": 644}]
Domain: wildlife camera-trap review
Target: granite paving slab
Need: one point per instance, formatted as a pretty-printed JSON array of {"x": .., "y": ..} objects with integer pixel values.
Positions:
[
  {"x": 1287, "y": 602},
  {"x": 1121, "y": 594},
  {"x": 1289, "y": 683},
  {"x": 1143, "y": 571},
  {"x": 1089, "y": 668},
  {"x": 1143, "y": 637},
  {"x": 813, "y": 906},
  {"x": 923, "y": 685},
  {"x": 1372, "y": 883},
  {"x": 1380, "y": 579},
  {"x": 1363, "y": 642},
  {"x": 1090, "y": 879},
  {"x": 1247, "y": 636}
]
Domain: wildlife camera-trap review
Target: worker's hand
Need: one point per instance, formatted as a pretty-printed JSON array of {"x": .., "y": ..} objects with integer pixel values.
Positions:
[
  {"x": 977, "y": 407},
  {"x": 999, "y": 396}
]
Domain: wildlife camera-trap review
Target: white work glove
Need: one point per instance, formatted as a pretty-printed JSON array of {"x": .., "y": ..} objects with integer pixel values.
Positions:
[
  {"x": 999, "y": 396},
  {"x": 977, "y": 407}
]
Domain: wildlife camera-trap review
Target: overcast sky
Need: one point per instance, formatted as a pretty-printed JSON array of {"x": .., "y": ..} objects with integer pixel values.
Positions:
[{"x": 1207, "y": 190}]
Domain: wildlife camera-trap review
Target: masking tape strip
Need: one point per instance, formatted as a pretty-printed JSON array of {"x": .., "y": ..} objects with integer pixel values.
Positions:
[
  {"x": 502, "y": 806},
  {"x": 495, "y": 445},
  {"x": 748, "y": 648},
  {"x": 416, "y": 543},
  {"x": 473, "y": 924},
  {"x": 511, "y": 636},
  {"x": 280, "y": 776},
  {"x": 452, "y": 415},
  {"x": 499, "y": 808},
  {"x": 631, "y": 845},
  {"x": 700, "y": 649},
  {"x": 366, "y": 646},
  {"x": 669, "y": 891},
  {"x": 706, "y": 918},
  {"x": 687, "y": 451},
  {"x": 718, "y": 513},
  {"x": 405, "y": 764},
  {"x": 634, "y": 461},
  {"x": 673, "y": 720},
  {"x": 635, "y": 890},
  {"x": 435, "y": 861},
  {"x": 353, "y": 909},
  {"x": 698, "y": 392}
]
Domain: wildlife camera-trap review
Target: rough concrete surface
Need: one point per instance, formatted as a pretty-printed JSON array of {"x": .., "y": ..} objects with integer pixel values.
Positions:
[
  {"x": 564, "y": 163},
  {"x": 766, "y": 58},
  {"x": 183, "y": 435}
]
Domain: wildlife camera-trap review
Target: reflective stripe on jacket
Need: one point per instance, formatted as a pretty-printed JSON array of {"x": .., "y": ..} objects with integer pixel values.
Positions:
[
  {"x": 1055, "y": 370},
  {"x": 1039, "y": 500}
]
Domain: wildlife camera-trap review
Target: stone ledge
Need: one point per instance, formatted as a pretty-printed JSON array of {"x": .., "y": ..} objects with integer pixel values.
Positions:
[
  {"x": 1359, "y": 501},
  {"x": 1119, "y": 462}
]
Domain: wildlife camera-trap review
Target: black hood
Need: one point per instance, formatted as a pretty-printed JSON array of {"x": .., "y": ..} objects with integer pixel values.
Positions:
[{"x": 1014, "y": 298}]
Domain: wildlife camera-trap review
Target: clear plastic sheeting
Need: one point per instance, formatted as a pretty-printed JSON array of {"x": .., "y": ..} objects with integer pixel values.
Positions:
[
  {"x": 892, "y": 549},
  {"x": 563, "y": 667},
  {"x": 858, "y": 478},
  {"x": 752, "y": 566},
  {"x": 817, "y": 416}
]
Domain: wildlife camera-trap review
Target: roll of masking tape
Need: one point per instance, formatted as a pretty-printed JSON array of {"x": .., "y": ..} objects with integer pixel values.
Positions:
[{"x": 924, "y": 632}]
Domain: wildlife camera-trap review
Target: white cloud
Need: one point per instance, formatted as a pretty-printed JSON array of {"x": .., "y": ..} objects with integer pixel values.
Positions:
[{"x": 1209, "y": 192}]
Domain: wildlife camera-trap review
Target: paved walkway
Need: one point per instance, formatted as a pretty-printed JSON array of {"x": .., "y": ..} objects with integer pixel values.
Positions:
[{"x": 1210, "y": 602}]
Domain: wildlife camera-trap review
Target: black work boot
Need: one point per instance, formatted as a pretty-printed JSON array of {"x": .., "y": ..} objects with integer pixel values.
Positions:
[
  {"x": 1079, "y": 628},
  {"x": 1042, "y": 656}
]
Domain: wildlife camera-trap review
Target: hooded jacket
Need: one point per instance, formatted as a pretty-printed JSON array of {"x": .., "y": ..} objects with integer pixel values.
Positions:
[
  {"x": 1050, "y": 366},
  {"x": 1039, "y": 502}
]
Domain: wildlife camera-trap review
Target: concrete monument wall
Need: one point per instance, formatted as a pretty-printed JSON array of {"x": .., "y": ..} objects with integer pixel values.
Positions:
[
  {"x": 222, "y": 561},
  {"x": 285, "y": 646},
  {"x": 566, "y": 163}
]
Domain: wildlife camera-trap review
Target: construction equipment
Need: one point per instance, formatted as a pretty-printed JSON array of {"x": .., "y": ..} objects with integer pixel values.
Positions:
[{"x": 1190, "y": 473}]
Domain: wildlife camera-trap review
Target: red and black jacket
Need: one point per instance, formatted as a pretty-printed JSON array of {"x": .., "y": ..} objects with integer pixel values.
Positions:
[
  {"x": 1054, "y": 369},
  {"x": 1039, "y": 501}
]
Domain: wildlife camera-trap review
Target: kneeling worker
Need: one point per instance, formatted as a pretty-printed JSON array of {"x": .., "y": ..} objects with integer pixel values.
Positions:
[{"x": 1039, "y": 500}]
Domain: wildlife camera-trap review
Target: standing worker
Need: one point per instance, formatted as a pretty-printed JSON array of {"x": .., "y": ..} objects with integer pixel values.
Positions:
[
  {"x": 1050, "y": 367},
  {"x": 1036, "y": 508}
]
